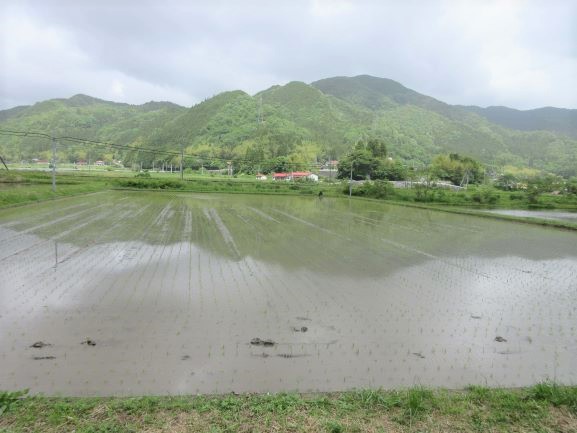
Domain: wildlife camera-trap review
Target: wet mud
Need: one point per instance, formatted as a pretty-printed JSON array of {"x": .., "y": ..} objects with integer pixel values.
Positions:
[{"x": 186, "y": 294}]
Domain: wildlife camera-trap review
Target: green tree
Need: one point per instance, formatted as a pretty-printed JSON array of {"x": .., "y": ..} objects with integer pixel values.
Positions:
[
  {"x": 368, "y": 161},
  {"x": 456, "y": 168},
  {"x": 507, "y": 182},
  {"x": 363, "y": 164}
]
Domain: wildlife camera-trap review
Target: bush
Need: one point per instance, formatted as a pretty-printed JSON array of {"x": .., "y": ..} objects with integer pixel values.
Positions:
[
  {"x": 377, "y": 189},
  {"x": 144, "y": 183},
  {"x": 485, "y": 195},
  {"x": 8, "y": 399}
]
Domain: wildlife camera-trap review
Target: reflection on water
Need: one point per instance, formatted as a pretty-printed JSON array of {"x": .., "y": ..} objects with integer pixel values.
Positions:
[
  {"x": 542, "y": 214},
  {"x": 173, "y": 288}
]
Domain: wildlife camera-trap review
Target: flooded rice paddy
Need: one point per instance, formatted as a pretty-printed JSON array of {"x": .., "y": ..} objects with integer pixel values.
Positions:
[
  {"x": 541, "y": 214},
  {"x": 150, "y": 293}
]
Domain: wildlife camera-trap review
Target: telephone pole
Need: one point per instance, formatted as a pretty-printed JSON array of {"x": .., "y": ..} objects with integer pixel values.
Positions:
[
  {"x": 53, "y": 163},
  {"x": 181, "y": 158},
  {"x": 5, "y": 166},
  {"x": 351, "y": 181}
]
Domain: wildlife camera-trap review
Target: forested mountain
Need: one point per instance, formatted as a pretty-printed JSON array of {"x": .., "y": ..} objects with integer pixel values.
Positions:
[
  {"x": 561, "y": 120},
  {"x": 300, "y": 124},
  {"x": 84, "y": 117}
]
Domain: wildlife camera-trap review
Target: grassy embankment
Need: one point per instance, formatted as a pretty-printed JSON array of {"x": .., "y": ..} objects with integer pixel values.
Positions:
[
  {"x": 541, "y": 408},
  {"x": 25, "y": 187},
  {"x": 476, "y": 200},
  {"x": 28, "y": 186},
  {"x": 475, "y": 197}
]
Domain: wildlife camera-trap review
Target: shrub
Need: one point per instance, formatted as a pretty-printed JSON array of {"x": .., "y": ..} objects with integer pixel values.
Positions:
[{"x": 8, "y": 399}]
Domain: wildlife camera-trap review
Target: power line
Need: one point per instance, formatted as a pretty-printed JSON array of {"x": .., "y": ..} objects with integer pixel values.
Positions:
[{"x": 126, "y": 147}]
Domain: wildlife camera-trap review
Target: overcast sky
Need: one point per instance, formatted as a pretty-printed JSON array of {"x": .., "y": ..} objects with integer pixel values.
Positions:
[{"x": 522, "y": 53}]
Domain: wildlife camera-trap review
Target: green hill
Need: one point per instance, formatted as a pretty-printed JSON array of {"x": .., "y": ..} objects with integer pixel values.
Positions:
[
  {"x": 84, "y": 117},
  {"x": 560, "y": 120},
  {"x": 303, "y": 123}
]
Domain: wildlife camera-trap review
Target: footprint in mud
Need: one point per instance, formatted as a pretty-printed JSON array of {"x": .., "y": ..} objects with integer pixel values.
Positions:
[
  {"x": 260, "y": 355},
  {"x": 301, "y": 329},
  {"x": 40, "y": 345},
  {"x": 509, "y": 352},
  {"x": 419, "y": 355},
  {"x": 500, "y": 339},
  {"x": 259, "y": 342},
  {"x": 291, "y": 355},
  {"x": 89, "y": 342}
]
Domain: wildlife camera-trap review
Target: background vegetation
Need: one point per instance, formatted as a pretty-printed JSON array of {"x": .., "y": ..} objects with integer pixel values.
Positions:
[{"x": 292, "y": 126}]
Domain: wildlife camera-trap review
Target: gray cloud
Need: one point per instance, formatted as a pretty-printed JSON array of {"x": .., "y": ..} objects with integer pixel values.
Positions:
[{"x": 518, "y": 53}]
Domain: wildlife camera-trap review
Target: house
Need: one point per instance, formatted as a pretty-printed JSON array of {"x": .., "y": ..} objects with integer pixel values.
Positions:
[
  {"x": 260, "y": 176},
  {"x": 296, "y": 175},
  {"x": 280, "y": 176},
  {"x": 99, "y": 162},
  {"x": 313, "y": 177}
]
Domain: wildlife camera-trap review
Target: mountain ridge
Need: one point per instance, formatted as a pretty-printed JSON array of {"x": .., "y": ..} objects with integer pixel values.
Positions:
[{"x": 316, "y": 121}]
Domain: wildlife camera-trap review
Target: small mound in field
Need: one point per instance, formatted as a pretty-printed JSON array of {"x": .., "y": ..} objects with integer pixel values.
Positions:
[
  {"x": 40, "y": 345},
  {"x": 260, "y": 355},
  {"x": 292, "y": 355},
  {"x": 259, "y": 342},
  {"x": 89, "y": 342},
  {"x": 500, "y": 339}
]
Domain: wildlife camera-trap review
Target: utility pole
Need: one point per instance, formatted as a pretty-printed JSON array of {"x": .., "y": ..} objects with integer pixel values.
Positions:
[
  {"x": 53, "y": 163},
  {"x": 5, "y": 166},
  {"x": 351, "y": 181},
  {"x": 181, "y": 158}
]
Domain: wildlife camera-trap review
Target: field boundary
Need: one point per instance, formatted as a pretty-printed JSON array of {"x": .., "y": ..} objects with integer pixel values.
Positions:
[
  {"x": 542, "y": 407},
  {"x": 440, "y": 208},
  {"x": 474, "y": 212}
]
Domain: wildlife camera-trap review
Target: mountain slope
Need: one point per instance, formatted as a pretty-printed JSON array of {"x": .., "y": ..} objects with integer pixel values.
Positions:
[
  {"x": 302, "y": 122},
  {"x": 417, "y": 125},
  {"x": 560, "y": 120},
  {"x": 84, "y": 117}
]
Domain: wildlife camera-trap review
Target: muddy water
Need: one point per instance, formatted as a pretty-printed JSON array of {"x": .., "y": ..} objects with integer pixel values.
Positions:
[
  {"x": 171, "y": 289},
  {"x": 542, "y": 214}
]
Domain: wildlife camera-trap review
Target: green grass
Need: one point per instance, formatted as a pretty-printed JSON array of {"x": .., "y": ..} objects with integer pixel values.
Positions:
[
  {"x": 21, "y": 188},
  {"x": 544, "y": 407},
  {"x": 480, "y": 197},
  {"x": 28, "y": 186},
  {"x": 24, "y": 187}
]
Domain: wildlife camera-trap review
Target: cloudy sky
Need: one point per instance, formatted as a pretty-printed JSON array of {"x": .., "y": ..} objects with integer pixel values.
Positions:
[{"x": 519, "y": 53}]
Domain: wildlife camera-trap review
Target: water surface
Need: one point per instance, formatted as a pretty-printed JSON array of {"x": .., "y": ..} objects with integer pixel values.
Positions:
[
  {"x": 541, "y": 214},
  {"x": 173, "y": 288}
]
